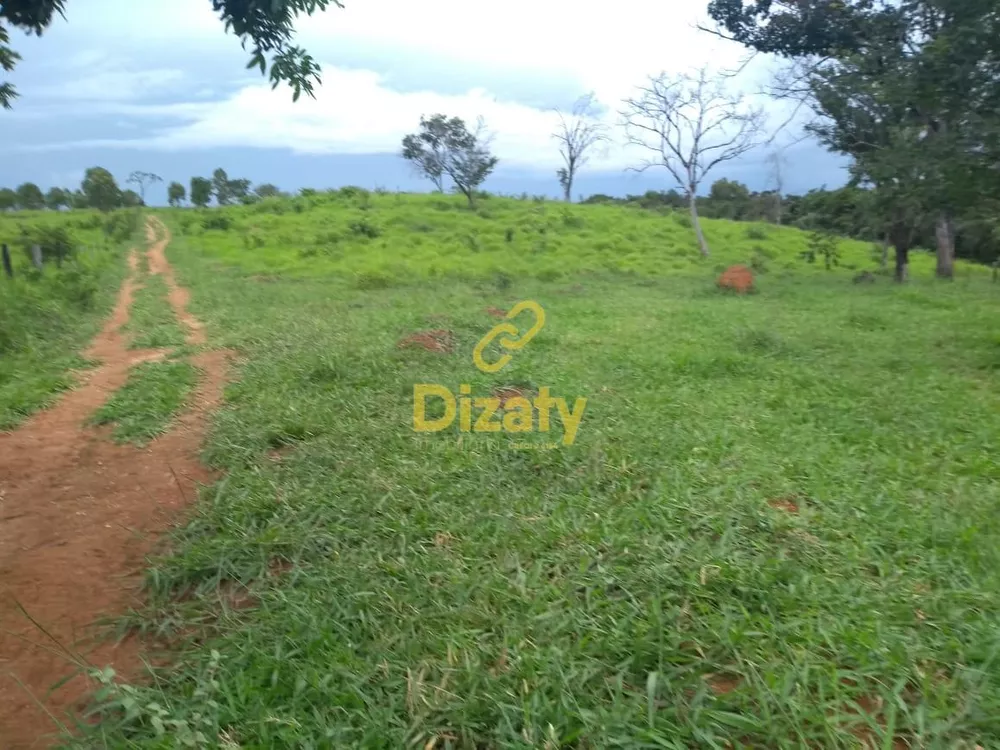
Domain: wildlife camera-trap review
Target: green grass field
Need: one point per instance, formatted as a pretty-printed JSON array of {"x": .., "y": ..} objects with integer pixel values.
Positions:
[
  {"x": 47, "y": 318},
  {"x": 375, "y": 240},
  {"x": 777, "y": 526},
  {"x": 143, "y": 408}
]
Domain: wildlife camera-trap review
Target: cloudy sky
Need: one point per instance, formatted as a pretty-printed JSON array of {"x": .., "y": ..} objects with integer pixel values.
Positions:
[{"x": 158, "y": 86}]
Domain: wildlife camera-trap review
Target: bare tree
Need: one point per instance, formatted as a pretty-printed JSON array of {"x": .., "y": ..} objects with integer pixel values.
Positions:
[
  {"x": 691, "y": 125},
  {"x": 776, "y": 176},
  {"x": 578, "y": 133},
  {"x": 142, "y": 180}
]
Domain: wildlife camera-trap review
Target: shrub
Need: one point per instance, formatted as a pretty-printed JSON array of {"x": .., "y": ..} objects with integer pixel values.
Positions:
[
  {"x": 55, "y": 242},
  {"x": 88, "y": 222},
  {"x": 822, "y": 245},
  {"x": 121, "y": 225},
  {"x": 548, "y": 274},
  {"x": 373, "y": 280},
  {"x": 683, "y": 220},
  {"x": 327, "y": 239},
  {"x": 253, "y": 239},
  {"x": 217, "y": 221},
  {"x": 758, "y": 263},
  {"x": 272, "y": 205},
  {"x": 365, "y": 228},
  {"x": 352, "y": 191},
  {"x": 184, "y": 222},
  {"x": 756, "y": 233}
]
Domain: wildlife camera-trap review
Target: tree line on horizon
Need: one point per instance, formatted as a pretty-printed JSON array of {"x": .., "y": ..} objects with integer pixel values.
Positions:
[
  {"x": 848, "y": 211},
  {"x": 908, "y": 90}
]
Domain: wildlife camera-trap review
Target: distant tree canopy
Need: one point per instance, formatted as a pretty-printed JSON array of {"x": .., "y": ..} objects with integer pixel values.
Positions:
[
  {"x": 849, "y": 211},
  {"x": 446, "y": 148},
  {"x": 201, "y": 191},
  {"x": 175, "y": 194},
  {"x": 908, "y": 90},
  {"x": 101, "y": 190},
  {"x": 265, "y": 28},
  {"x": 131, "y": 199},
  {"x": 30, "y": 197},
  {"x": 267, "y": 190},
  {"x": 58, "y": 198}
]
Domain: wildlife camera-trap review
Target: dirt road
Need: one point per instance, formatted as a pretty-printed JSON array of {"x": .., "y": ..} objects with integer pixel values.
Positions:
[{"x": 79, "y": 513}]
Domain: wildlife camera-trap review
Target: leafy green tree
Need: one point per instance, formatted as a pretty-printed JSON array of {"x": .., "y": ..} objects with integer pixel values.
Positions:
[
  {"x": 29, "y": 197},
  {"x": 131, "y": 199},
  {"x": 175, "y": 194},
  {"x": 222, "y": 187},
  {"x": 142, "y": 180},
  {"x": 731, "y": 199},
  {"x": 101, "y": 190},
  {"x": 446, "y": 147},
  {"x": 903, "y": 88},
  {"x": 201, "y": 191},
  {"x": 78, "y": 199},
  {"x": 56, "y": 198},
  {"x": 267, "y": 190},
  {"x": 266, "y": 28},
  {"x": 239, "y": 189},
  {"x": 8, "y": 199}
]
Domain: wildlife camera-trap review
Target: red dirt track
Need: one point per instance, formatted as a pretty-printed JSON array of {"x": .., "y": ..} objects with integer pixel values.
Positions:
[{"x": 78, "y": 514}]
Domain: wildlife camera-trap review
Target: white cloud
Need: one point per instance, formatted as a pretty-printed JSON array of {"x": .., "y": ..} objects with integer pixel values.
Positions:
[
  {"x": 114, "y": 85},
  {"x": 608, "y": 49}
]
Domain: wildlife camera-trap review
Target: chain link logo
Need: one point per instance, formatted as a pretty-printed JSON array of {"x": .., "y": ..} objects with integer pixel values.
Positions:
[
  {"x": 511, "y": 415},
  {"x": 508, "y": 343}
]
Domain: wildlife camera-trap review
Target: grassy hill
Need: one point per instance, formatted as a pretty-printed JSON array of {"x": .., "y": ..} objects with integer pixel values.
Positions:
[
  {"x": 380, "y": 239},
  {"x": 777, "y": 526}
]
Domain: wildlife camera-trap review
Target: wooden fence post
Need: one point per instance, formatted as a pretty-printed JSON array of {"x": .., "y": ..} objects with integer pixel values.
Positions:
[
  {"x": 7, "y": 267},
  {"x": 36, "y": 256}
]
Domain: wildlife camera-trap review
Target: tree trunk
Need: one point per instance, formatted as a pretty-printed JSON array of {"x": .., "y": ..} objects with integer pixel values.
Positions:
[
  {"x": 945, "y": 234},
  {"x": 702, "y": 244},
  {"x": 902, "y": 263},
  {"x": 568, "y": 190}
]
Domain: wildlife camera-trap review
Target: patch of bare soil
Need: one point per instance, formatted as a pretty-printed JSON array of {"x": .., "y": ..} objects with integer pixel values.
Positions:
[
  {"x": 78, "y": 514},
  {"x": 177, "y": 296},
  {"x": 723, "y": 684},
  {"x": 496, "y": 312},
  {"x": 737, "y": 278},
  {"x": 439, "y": 340},
  {"x": 506, "y": 393},
  {"x": 787, "y": 504}
]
